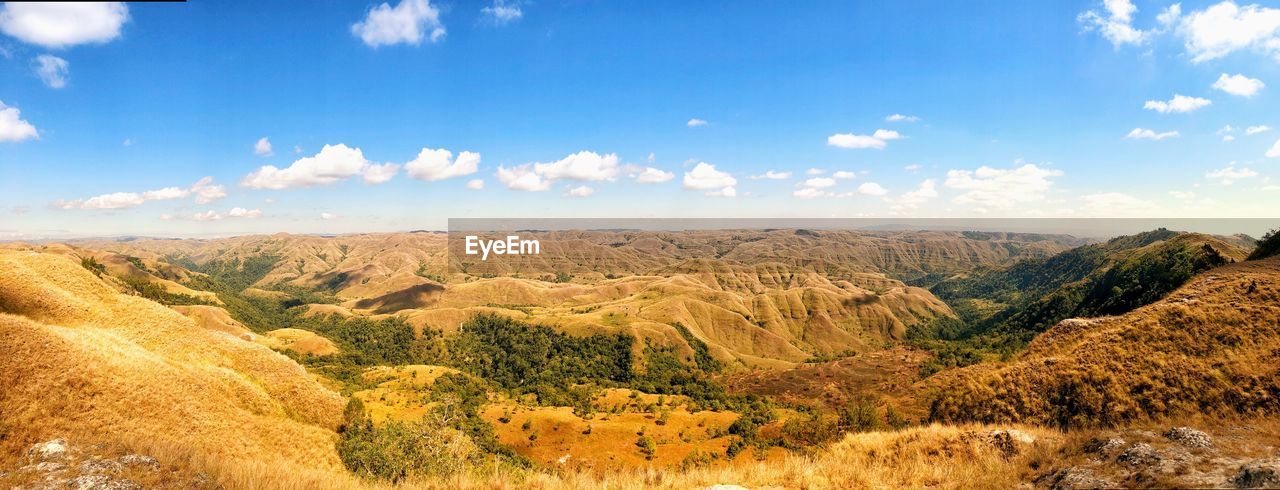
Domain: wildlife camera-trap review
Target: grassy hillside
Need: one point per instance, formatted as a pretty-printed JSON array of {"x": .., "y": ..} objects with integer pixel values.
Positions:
[
  {"x": 999, "y": 311},
  {"x": 1209, "y": 348},
  {"x": 82, "y": 359}
]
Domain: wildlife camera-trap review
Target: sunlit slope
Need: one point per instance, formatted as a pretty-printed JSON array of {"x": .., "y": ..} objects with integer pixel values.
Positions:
[
  {"x": 1210, "y": 347},
  {"x": 83, "y": 361}
]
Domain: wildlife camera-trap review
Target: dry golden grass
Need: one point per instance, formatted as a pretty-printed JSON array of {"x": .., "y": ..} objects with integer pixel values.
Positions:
[{"x": 82, "y": 361}]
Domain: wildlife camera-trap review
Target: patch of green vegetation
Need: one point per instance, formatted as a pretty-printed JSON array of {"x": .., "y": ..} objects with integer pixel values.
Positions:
[
  {"x": 701, "y": 354},
  {"x": 93, "y": 265},
  {"x": 1268, "y": 246},
  {"x": 157, "y": 293}
]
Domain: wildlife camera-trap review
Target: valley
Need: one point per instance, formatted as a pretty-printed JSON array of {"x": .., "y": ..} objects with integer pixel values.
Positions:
[{"x": 636, "y": 359}]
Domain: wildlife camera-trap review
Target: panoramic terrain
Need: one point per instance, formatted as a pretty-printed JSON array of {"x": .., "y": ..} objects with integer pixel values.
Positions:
[{"x": 799, "y": 358}]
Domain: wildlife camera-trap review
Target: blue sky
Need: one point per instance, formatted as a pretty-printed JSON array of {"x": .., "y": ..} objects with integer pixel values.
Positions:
[{"x": 1014, "y": 109}]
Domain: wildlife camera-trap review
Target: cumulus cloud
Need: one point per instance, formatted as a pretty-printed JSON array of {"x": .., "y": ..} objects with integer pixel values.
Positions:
[
  {"x": 1226, "y": 27},
  {"x": 999, "y": 188},
  {"x": 771, "y": 175},
  {"x": 1274, "y": 152},
  {"x": 844, "y": 174},
  {"x": 1114, "y": 204},
  {"x": 439, "y": 164},
  {"x": 52, "y": 70},
  {"x": 501, "y": 12},
  {"x": 705, "y": 177},
  {"x": 407, "y": 23},
  {"x": 927, "y": 191},
  {"x": 332, "y": 164},
  {"x": 1178, "y": 104},
  {"x": 820, "y": 182},
  {"x": 652, "y": 175},
  {"x": 377, "y": 174},
  {"x": 522, "y": 178},
  {"x": 1147, "y": 134},
  {"x": 1115, "y": 23},
  {"x": 1239, "y": 85},
  {"x": 263, "y": 147},
  {"x": 872, "y": 189},
  {"x": 877, "y": 140},
  {"x": 475, "y": 184},
  {"x": 328, "y": 216},
  {"x": 695, "y": 122},
  {"x": 815, "y": 171},
  {"x": 913, "y": 168},
  {"x": 234, "y": 213},
  {"x": 1230, "y": 174},
  {"x": 583, "y": 165},
  {"x": 809, "y": 193},
  {"x": 581, "y": 191},
  {"x": 60, "y": 25},
  {"x": 901, "y": 118},
  {"x": 1252, "y": 130},
  {"x": 12, "y": 127},
  {"x": 204, "y": 190}
]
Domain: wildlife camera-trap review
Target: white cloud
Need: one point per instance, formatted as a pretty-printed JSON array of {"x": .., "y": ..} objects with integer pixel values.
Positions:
[
  {"x": 127, "y": 142},
  {"x": 1252, "y": 130},
  {"x": 377, "y": 174},
  {"x": 913, "y": 168},
  {"x": 206, "y": 191},
  {"x": 871, "y": 189},
  {"x": 583, "y": 165},
  {"x": 501, "y": 12},
  {"x": 12, "y": 127},
  {"x": 695, "y": 122},
  {"x": 1147, "y": 134},
  {"x": 328, "y": 216},
  {"x": 60, "y": 25},
  {"x": 913, "y": 199},
  {"x": 263, "y": 147},
  {"x": 1183, "y": 195},
  {"x": 52, "y": 70},
  {"x": 1228, "y": 138},
  {"x": 1000, "y": 188},
  {"x": 522, "y": 178},
  {"x": 332, "y": 164},
  {"x": 1230, "y": 174},
  {"x": 1115, "y": 204},
  {"x": 877, "y": 140},
  {"x": 820, "y": 182},
  {"x": 1239, "y": 85},
  {"x": 705, "y": 177},
  {"x": 1274, "y": 152},
  {"x": 439, "y": 164},
  {"x": 901, "y": 118},
  {"x": 212, "y": 215},
  {"x": 1178, "y": 104},
  {"x": 844, "y": 174},
  {"x": 408, "y": 22},
  {"x": 1169, "y": 16},
  {"x": 1226, "y": 27},
  {"x": 815, "y": 171},
  {"x": 1117, "y": 23},
  {"x": 581, "y": 191},
  {"x": 652, "y": 175},
  {"x": 203, "y": 189},
  {"x": 771, "y": 175},
  {"x": 809, "y": 193},
  {"x": 475, "y": 184}
]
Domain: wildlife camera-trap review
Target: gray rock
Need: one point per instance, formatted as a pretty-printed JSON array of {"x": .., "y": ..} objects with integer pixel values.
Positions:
[
  {"x": 101, "y": 482},
  {"x": 1106, "y": 446},
  {"x": 1256, "y": 476},
  {"x": 139, "y": 460},
  {"x": 1139, "y": 454},
  {"x": 1073, "y": 478},
  {"x": 48, "y": 451},
  {"x": 100, "y": 466},
  {"x": 1189, "y": 437}
]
